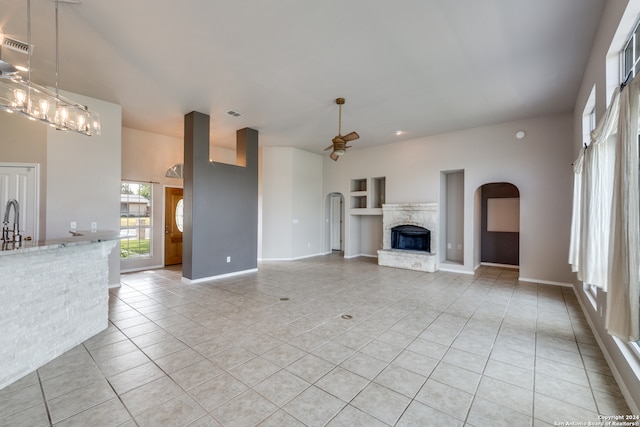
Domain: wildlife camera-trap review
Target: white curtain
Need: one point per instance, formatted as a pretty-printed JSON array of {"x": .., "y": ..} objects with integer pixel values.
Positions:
[
  {"x": 593, "y": 186},
  {"x": 622, "y": 299},
  {"x": 606, "y": 220},
  {"x": 576, "y": 215}
]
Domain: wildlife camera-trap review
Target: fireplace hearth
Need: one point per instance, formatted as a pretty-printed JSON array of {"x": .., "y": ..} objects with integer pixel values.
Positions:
[{"x": 410, "y": 236}]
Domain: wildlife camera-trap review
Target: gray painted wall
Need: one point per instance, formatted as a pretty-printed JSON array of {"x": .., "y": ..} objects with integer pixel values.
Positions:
[{"x": 221, "y": 204}]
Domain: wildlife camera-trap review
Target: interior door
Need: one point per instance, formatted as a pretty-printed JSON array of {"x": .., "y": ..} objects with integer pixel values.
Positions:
[
  {"x": 173, "y": 202},
  {"x": 20, "y": 182},
  {"x": 336, "y": 222}
]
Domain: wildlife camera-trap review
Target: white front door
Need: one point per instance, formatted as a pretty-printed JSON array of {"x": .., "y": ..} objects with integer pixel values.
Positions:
[{"x": 20, "y": 182}]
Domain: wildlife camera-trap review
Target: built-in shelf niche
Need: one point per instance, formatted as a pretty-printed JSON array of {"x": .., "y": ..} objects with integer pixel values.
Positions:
[
  {"x": 358, "y": 202},
  {"x": 378, "y": 192},
  {"x": 367, "y": 195},
  {"x": 358, "y": 185}
]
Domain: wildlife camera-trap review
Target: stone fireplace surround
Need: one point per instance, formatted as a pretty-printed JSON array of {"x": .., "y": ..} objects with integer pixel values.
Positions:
[{"x": 421, "y": 214}]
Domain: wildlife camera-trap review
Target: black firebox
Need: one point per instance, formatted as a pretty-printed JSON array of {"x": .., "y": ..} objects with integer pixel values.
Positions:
[{"x": 411, "y": 237}]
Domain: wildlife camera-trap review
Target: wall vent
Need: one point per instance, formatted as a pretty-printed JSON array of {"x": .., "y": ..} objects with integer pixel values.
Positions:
[
  {"x": 16, "y": 45},
  {"x": 234, "y": 113}
]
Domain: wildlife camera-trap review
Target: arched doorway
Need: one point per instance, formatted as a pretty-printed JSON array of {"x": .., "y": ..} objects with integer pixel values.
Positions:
[{"x": 500, "y": 224}]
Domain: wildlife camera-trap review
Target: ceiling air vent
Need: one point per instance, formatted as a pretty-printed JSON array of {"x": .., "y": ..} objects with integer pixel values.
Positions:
[
  {"x": 16, "y": 45},
  {"x": 234, "y": 113}
]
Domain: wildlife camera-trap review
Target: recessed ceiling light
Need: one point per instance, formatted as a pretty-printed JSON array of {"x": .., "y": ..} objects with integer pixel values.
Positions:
[{"x": 400, "y": 132}]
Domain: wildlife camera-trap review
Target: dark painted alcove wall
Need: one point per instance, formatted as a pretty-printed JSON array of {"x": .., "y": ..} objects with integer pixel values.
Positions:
[
  {"x": 499, "y": 247},
  {"x": 220, "y": 204}
]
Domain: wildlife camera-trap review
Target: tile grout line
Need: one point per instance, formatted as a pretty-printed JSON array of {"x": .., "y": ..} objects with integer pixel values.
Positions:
[
  {"x": 151, "y": 360},
  {"x": 44, "y": 398},
  {"x": 584, "y": 365}
]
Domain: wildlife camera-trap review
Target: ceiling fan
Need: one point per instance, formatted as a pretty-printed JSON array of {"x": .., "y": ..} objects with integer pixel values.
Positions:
[{"x": 339, "y": 142}]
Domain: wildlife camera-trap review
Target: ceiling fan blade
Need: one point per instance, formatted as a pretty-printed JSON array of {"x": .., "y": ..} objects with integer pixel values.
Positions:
[
  {"x": 329, "y": 148},
  {"x": 350, "y": 137},
  {"x": 334, "y": 156}
]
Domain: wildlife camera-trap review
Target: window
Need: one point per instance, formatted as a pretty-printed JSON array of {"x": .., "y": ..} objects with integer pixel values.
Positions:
[
  {"x": 180, "y": 215},
  {"x": 630, "y": 55},
  {"x": 630, "y": 66},
  {"x": 135, "y": 220}
]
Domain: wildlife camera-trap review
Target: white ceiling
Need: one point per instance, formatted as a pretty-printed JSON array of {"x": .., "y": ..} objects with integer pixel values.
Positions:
[{"x": 421, "y": 66}]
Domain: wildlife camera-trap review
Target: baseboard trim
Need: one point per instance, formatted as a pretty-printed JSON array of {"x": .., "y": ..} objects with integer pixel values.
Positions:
[
  {"x": 545, "y": 282},
  {"x": 149, "y": 267},
  {"x": 494, "y": 264},
  {"x": 219, "y": 276},
  {"x": 294, "y": 259},
  {"x": 452, "y": 270},
  {"x": 360, "y": 255},
  {"x": 624, "y": 350}
]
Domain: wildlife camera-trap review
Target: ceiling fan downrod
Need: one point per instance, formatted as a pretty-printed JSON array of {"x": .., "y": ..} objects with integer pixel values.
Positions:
[{"x": 340, "y": 102}]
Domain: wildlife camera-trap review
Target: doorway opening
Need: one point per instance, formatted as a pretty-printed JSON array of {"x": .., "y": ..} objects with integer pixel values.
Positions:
[
  {"x": 500, "y": 224},
  {"x": 336, "y": 222},
  {"x": 21, "y": 182},
  {"x": 173, "y": 225}
]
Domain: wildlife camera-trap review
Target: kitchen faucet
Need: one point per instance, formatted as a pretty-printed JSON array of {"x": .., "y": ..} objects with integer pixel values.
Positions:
[{"x": 16, "y": 238}]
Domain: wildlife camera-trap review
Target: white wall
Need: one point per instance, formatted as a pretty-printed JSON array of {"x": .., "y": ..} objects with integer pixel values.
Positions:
[
  {"x": 292, "y": 203},
  {"x": 83, "y": 177},
  {"x": 307, "y": 204},
  {"x": 539, "y": 165},
  {"x": 23, "y": 141},
  {"x": 79, "y": 175},
  {"x": 370, "y": 234},
  {"x": 602, "y": 72},
  {"x": 146, "y": 157},
  {"x": 277, "y": 203}
]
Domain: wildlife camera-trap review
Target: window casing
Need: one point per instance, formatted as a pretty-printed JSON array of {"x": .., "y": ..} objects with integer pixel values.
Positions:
[
  {"x": 630, "y": 66},
  {"x": 630, "y": 56},
  {"x": 135, "y": 220}
]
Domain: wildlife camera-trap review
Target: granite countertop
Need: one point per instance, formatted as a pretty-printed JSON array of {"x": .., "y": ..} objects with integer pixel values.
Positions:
[{"x": 77, "y": 237}]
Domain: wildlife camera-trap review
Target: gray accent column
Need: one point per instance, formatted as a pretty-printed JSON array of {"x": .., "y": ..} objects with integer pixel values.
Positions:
[{"x": 220, "y": 204}]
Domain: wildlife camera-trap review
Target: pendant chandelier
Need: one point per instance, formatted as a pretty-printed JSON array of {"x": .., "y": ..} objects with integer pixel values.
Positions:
[{"x": 39, "y": 103}]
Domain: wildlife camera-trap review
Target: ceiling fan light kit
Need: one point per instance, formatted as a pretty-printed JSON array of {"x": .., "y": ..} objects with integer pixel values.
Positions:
[{"x": 339, "y": 142}]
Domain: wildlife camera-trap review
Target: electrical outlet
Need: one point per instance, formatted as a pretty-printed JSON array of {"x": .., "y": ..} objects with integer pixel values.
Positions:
[
  {"x": 94, "y": 226},
  {"x": 459, "y": 245},
  {"x": 228, "y": 259},
  {"x": 73, "y": 225},
  {"x": 448, "y": 245}
]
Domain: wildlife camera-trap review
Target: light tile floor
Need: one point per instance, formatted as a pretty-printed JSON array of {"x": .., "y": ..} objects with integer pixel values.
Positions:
[{"x": 273, "y": 348}]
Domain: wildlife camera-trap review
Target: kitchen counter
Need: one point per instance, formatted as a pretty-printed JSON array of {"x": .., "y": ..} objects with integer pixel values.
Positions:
[
  {"x": 53, "y": 296},
  {"x": 79, "y": 237}
]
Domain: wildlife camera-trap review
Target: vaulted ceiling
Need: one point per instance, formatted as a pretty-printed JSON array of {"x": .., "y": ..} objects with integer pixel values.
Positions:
[{"x": 421, "y": 66}]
